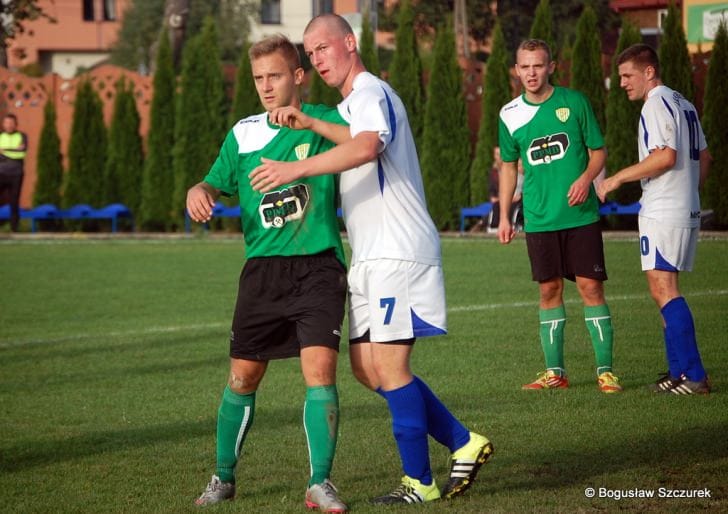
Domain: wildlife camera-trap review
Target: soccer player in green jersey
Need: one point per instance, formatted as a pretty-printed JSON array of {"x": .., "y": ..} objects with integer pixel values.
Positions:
[
  {"x": 292, "y": 289},
  {"x": 554, "y": 131}
]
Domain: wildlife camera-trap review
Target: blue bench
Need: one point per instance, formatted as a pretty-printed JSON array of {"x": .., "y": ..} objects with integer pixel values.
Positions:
[
  {"x": 479, "y": 211},
  {"x": 220, "y": 210},
  {"x": 608, "y": 208},
  {"x": 48, "y": 211},
  {"x": 605, "y": 209}
]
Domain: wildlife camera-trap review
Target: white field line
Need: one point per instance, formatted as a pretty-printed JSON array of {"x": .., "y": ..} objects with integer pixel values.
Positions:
[
  {"x": 610, "y": 299},
  {"x": 210, "y": 326}
]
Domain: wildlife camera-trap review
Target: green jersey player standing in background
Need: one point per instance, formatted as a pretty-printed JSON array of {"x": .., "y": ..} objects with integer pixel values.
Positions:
[
  {"x": 555, "y": 133},
  {"x": 292, "y": 289}
]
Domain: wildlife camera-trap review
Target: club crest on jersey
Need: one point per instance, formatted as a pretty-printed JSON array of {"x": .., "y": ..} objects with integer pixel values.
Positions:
[
  {"x": 563, "y": 113},
  {"x": 279, "y": 207},
  {"x": 546, "y": 149},
  {"x": 302, "y": 151}
]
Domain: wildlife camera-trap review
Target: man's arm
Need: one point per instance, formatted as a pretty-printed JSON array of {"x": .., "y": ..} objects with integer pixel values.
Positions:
[
  {"x": 295, "y": 119},
  {"x": 507, "y": 179},
  {"x": 658, "y": 162},
  {"x": 201, "y": 199},
  {"x": 579, "y": 189},
  {"x": 364, "y": 147}
]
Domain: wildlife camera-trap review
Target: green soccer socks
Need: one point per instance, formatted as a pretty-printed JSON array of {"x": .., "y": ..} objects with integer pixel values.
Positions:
[
  {"x": 321, "y": 422},
  {"x": 551, "y": 330},
  {"x": 234, "y": 419},
  {"x": 599, "y": 323}
]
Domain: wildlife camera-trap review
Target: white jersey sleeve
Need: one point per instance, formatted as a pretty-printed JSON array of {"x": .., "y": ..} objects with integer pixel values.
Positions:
[{"x": 669, "y": 120}]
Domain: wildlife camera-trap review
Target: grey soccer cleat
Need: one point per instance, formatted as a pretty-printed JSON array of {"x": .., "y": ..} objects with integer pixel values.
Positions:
[
  {"x": 325, "y": 498},
  {"x": 216, "y": 492}
]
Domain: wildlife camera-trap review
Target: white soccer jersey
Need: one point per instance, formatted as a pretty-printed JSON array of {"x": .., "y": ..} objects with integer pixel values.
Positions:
[
  {"x": 668, "y": 119},
  {"x": 383, "y": 201}
]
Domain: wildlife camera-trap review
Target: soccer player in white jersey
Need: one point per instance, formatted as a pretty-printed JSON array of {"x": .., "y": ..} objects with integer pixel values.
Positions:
[
  {"x": 674, "y": 162},
  {"x": 395, "y": 281}
]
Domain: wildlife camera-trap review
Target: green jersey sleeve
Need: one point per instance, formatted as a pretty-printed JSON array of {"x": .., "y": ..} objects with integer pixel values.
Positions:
[
  {"x": 508, "y": 146},
  {"x": 223, "y": 173}
]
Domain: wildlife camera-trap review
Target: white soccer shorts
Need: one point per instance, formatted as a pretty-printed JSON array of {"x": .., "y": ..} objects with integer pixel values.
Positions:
[
  {"x": 667, "y": 248},
  {"x": 396, "y": 300}
]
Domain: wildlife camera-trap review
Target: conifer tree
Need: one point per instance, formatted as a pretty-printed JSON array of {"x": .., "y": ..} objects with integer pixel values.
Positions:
[
  {"x": 320, "y": 93},
  {"x": 405, "y": 72},
  {"x": 586, "y": 66},
  {"x": 158, "y": 177},
  {"x": 245, "y": 99},
  {"x": 496, "y": 93},
  {"x": 622, "y": 119},
  {"x": 446, "y": 139},
  {"x": 50, "y": 160},
  {"x": 368, "y": 46},
  {"x": 86, "y": 149},
  {"x": 715, "y": 114},
  {"x": 676, "y": 71},
  {"x": 125, "y": 160},
  {"x": 542, "y": 28},
  {"x": 199, "y": 123}
]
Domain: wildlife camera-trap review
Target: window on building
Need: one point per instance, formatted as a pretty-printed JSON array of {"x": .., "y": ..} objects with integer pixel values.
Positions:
[
  {"x": 109, "y": 10},
  {"x": 270, "y": 12},
  {"x": 88, "y": 10},
  {"x": 322, "y": 7}
]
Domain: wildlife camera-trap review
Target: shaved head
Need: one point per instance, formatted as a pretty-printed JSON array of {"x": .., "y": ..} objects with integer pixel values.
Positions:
[{"x": 331, "y": 22}]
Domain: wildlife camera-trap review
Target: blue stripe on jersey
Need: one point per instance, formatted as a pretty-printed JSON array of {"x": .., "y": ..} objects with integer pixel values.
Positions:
[
  {"x": 668, "y": 107},
  {"x": 392, "y": 117},
  {"x": 380, "y": 174},
  {"x": 421, "y": 328},
  {"x": 646, "y": 136}
]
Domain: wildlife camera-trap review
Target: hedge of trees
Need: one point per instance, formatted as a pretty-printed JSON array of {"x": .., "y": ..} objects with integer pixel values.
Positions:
[{"x": 190, "y": 115}]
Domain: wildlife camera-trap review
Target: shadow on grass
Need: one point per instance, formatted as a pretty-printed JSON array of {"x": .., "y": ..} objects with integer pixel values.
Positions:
[
  {"x": 89, "y": 345},
  {"x": 662, "y": 453},
  {"x": 45, "y": 452},
  {"x": 115, "y": 374}
]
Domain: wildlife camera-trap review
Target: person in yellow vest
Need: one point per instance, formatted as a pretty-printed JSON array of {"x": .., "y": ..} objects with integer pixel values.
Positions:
[{"x": 13, "y": 145}]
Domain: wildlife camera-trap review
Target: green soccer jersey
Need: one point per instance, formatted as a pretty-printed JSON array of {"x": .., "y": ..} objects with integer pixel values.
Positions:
[
  {"x": 553, "y": 138},
  {"x": 296, "y": 219}
]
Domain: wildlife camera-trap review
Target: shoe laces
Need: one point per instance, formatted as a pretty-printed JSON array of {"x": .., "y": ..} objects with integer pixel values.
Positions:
[
  {"x": 214, "y": 485},
  {"x": 608, "y": 377},
  {"x": 403, "y": 489},
  {"x": 329, "y": 490}
]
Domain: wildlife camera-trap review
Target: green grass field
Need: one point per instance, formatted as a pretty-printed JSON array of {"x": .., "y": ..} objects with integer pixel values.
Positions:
[{"x": 113, "y": 355}]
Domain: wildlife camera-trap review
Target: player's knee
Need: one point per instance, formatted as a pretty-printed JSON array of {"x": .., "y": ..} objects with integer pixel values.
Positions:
[
  {"x": 363, "y": 377},
  {"x": 550, "y": 291},
  {"x": 242, "y": 383}
]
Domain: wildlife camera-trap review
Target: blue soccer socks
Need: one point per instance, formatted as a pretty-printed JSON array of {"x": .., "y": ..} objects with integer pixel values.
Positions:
[
  {"x": 441, "y": 424},
  {"x": 409, "y": 424},
  {"x": 680, "y": 341}
]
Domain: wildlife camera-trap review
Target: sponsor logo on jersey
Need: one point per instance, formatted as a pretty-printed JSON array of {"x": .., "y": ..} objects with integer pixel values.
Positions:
[
  {"x": 546, "y": 149},
  {"x": 302, "y": 151},
  {"x": 563, "y": 113},
  {"x": 279, "y": 207}
]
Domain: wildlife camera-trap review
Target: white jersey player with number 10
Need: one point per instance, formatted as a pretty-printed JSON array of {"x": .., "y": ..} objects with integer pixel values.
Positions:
[{"x": 674, "y": 163}]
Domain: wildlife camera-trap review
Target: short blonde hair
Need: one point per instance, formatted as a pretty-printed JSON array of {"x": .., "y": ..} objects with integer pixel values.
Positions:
[
  {"x": 276, "y": 43},
  {"x": 532, "y": 45}
]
